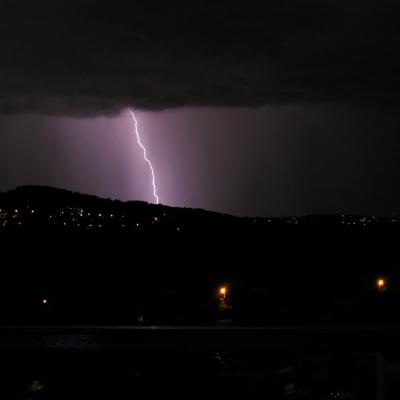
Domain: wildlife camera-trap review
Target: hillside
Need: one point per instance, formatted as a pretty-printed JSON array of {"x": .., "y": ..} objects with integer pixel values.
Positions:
[
  {"x": 36, "y": 208},
  {"x": 104, "y": 261}
]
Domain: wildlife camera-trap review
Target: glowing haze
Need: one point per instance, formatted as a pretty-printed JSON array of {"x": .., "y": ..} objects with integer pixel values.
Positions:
[{"x": 288, "y": 160}]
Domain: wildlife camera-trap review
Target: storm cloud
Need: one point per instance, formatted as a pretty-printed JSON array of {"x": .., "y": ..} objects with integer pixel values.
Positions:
[{"x": 88, "y": 57}]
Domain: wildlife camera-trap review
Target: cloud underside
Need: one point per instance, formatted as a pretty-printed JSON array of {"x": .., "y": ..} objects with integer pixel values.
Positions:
[{"x": 91, "y": 58}]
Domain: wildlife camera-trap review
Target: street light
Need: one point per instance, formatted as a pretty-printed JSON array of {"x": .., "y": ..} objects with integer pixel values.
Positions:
[
  {"x": 222, "y": 292},
  {"x": 381, "y": 283},
  {"x": 224, "y": 306}
]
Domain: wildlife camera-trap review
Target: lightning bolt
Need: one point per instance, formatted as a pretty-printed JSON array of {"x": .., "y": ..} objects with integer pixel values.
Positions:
[{"x": 145, "y": 157}]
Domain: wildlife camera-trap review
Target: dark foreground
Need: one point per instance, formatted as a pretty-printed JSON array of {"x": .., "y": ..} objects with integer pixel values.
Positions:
[
  {"x": 94, "y": 294},
  {"x": 152, "y": 362}
]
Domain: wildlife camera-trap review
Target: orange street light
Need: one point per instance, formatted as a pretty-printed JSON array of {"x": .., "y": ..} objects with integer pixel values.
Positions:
[
  {"x": 222, "y": 292},
  {"x": 381, "y": 283}
]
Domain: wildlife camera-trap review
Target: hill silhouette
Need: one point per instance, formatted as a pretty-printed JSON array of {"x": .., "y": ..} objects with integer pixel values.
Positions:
[
  {"x": 104, "y": 261},
  {"x": 50, "y": 209},
  {"x": 36, "y": 204}
]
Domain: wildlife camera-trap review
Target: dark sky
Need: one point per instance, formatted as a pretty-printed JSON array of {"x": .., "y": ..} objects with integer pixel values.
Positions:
[{"x": 261, "y": 108}]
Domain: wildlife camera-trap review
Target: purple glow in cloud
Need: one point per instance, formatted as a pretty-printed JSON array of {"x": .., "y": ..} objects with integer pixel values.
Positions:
[{"x": 145, "y": 157}]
